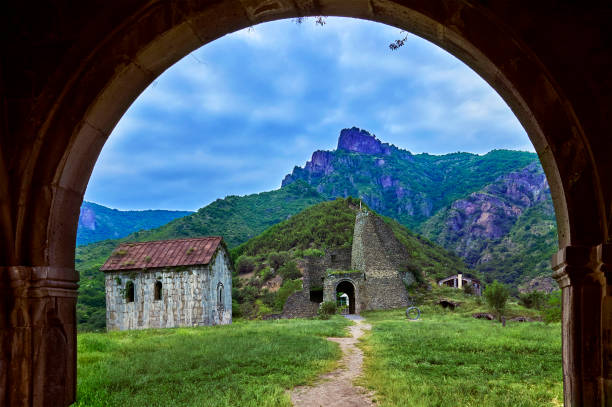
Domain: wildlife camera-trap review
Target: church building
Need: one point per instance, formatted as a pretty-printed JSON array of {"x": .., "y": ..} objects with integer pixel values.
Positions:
[{"x": 166, "y": 284}]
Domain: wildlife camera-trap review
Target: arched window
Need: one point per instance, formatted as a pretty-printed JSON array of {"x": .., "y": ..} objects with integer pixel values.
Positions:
[
  {"x": 220, "y": 293},
  {"x": 129, "y": 291},
  {"x": 158, "y": 290}
]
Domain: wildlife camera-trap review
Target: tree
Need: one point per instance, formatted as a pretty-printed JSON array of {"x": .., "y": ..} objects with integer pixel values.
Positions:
[
  {"x": 496, "y": 295},
  {"x": 245, "y": 264}
]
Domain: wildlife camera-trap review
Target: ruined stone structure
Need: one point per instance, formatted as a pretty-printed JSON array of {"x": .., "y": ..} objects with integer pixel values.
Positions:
[
  {"x": 165, "y": 284},
  {"x": 69, "y": 70},
  {"x": 371, "y": 272},
  {"x": 459, "y": 281}
]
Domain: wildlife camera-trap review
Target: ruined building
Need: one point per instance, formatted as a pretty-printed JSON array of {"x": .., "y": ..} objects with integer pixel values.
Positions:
[
  {"x": 460, "y": 281},
  {"x": 171, "y": 283},
  {"x": 372, "y": 273}
]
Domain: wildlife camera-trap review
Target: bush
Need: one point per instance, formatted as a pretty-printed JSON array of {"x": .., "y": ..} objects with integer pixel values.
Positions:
[
  {"x": 236, "y": 309},
  {"x": 290, "y": 271},
  {"x": 327, "y": 309},
  {"x": 496, "y": 295},
  {"x": 266, "y": 274},
  {"x": 313, "y": 253},
  {"x": 245, "y": 264},
  {"x": 468, "y": 289},
  {"x": 534, "y": 299},
  {"x": 552, "y": 310},
  {"x": 277, "y": 259}
]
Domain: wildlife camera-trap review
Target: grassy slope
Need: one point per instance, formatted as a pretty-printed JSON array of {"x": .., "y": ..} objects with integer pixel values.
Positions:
[
  {"x": 448, "y": 358},
  {"x": 243, "y": 364}
]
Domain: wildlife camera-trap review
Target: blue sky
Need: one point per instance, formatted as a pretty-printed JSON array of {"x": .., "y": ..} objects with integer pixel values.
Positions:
[{"x": 235, "y": 116}]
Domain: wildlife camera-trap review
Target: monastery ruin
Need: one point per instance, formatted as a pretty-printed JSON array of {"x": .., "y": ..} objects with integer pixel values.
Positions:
[{"x": 372, "y": 273}]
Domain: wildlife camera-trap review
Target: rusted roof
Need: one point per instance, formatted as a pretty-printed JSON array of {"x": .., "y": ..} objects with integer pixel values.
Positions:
[{"x": 164, "y": 253}]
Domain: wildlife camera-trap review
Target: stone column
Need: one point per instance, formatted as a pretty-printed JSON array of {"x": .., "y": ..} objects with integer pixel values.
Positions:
[
  {"x": 38, "y": 336},
  {"x": 576, "y": 269},
  {"x": 604, "y": 256}
]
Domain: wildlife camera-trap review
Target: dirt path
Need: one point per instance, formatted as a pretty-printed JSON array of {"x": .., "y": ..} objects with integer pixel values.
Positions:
[{"x": 336, "y": 389}]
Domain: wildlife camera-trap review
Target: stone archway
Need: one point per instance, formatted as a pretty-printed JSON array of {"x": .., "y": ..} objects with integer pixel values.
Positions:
[
  {"x": 348, "y": 288},
  {"x": 58, "y": 110}
]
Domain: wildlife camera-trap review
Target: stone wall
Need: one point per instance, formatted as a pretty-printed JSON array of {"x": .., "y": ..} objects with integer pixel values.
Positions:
[
  {"x": 298, "y": 305},
  {"x": 377, "y": 252},
  {"x": 189, "y": 296},
  {"x": 314, "y": 268}
]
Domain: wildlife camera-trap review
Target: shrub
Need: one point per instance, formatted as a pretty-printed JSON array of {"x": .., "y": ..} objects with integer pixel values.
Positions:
[
  {"x": 468, "y": 289},
  {"x": 236, "y": 309},
  {"x": 534, "y": 299},
  {"x": 290, "y": 271},
  {"x": 496, "y": 295},
  {"x": 313, "y": 252},
  {"x": 416, "y": 271},
  {"x": 266, "y": 274},
  {"x": 277, "y": 259},
  {"x": 327, "y": 309},
  {"x": 268, "y": 298},
  {"x": 552, "y": 310},
  {"x": 245, "y": 264}
]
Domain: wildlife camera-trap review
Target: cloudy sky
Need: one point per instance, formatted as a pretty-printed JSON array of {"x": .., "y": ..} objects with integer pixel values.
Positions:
[{"x": 235, "y": 116}]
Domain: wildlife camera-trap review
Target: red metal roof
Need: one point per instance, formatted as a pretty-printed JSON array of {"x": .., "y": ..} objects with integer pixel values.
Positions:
[{"x": 164, "y": 253}]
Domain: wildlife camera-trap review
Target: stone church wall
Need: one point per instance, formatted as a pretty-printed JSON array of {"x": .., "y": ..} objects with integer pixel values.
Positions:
[{"x": 190, "y": 296}]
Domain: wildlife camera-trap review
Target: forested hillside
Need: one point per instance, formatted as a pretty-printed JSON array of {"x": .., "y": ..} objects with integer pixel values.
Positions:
[{"x": 97, "y": 222}]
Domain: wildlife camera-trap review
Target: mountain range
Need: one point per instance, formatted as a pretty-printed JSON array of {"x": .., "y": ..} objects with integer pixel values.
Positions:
[
  {"x": 97, "y": 222},
  {"x": 494, "y": 210}
]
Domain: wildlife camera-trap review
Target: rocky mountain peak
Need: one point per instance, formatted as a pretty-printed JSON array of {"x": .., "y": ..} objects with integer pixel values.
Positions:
[{"x": 360, "y": 141}]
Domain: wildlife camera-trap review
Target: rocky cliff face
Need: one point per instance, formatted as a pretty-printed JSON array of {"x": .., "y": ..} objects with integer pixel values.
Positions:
[
  {"x": 468, "y": 225},
  {"x": 396, "y": 183},
  {"x": 360, "y": 141},
  {"x": 507, "y": 230}
]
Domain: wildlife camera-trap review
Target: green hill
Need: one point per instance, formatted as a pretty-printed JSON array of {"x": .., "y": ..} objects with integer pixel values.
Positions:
[
  {"x": 273, "y": 259},
  {"x": 330, "y": 225}
]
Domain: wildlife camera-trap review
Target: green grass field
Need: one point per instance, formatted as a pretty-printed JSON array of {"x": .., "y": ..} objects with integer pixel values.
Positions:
[
  {"x": 447, "y": 358},
  {"x": 244, "y": 364},
  {"x": 451, "y": 359}
]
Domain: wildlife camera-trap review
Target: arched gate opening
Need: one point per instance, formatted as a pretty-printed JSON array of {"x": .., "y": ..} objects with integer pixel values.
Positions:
[{"x": 346, "y": 287}]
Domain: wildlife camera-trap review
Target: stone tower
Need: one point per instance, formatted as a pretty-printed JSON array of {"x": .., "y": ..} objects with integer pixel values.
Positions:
[{"x": 381, "y": 257}]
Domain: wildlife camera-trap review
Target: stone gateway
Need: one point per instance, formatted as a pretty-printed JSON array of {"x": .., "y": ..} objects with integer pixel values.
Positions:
[{"x": 166, "y": 284}]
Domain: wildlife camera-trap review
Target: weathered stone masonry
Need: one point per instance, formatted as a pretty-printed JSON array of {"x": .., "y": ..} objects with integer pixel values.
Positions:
[
  {"x": 373, "y": 265},
  {"x": 172, "y": 296}
]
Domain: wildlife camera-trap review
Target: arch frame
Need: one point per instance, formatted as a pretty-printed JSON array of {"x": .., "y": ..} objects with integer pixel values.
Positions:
[
  {"x": 46, "y": 162},
  {"x": 353, "y": 303}
]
